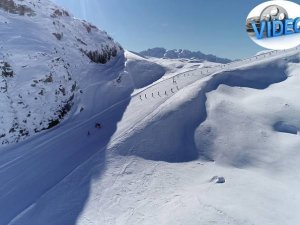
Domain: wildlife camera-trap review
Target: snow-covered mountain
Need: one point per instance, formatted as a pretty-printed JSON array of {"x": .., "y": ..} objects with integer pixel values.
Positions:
[
  {"x": 209, "y": 144},
  {"x": 181, "y": 141},
  {"x": 47, "y": 60},
  {"x": 181, "y": 53}
]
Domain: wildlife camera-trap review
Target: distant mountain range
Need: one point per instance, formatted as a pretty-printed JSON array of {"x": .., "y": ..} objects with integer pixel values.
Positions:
[{"x": 182, "y": 53}]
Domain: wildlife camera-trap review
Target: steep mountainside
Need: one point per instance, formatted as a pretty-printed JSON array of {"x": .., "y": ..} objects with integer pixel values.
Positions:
[
  {"x": 180, "y": 53},
  {"x": 47, "y": 59}
]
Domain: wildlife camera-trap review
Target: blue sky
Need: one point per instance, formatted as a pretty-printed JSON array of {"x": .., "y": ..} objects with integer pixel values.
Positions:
[{"x": 211, "y": 26}]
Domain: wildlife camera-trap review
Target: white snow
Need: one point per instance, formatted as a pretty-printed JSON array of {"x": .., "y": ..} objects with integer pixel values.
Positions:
[
  {"x": 48, "y": 74},
  {"x": 180, "y": 143},
  {"x": 155, "y": 165}
]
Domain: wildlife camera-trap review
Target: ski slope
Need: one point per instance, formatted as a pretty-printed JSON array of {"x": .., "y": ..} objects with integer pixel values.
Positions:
[{"x": 146, "y": 165}]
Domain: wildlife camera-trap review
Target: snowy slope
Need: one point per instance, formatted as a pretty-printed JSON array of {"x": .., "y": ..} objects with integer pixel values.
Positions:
[
  {"x": 154, "y": 160},
  {"x": 172, "y": 131},
  {"x": 47, "y": 59},
  {"x": 59, "y": 73}
]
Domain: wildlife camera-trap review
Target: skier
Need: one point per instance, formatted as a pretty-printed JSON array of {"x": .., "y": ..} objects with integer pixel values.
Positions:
[
  {"x": 98, "y": 125},
  {"x": 88, "y": 133},
  {"x": 174, "y": 81},
  {"x": 119, "y": 79}
]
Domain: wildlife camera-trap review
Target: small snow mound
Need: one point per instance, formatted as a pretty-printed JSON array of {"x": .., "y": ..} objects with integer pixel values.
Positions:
[{"x": 217, "y": 180}]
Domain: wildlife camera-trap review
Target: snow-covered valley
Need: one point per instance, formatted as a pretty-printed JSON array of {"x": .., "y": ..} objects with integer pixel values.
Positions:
[{"x": 181, "y": 142}]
